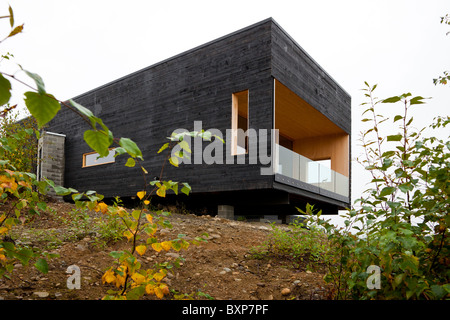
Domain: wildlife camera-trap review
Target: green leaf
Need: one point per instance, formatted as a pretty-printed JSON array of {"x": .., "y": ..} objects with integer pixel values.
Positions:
[
  {"x": 396, "y": 137},
  {"x": 43, "y": 107},
  {"x": 119, "y": 151},
  {"x": 405, "y": 187},
  {"x": 446, "y": 287},
  {"x": 98, "y": 140},
  {"x": 16, "y": 30},
  {"x": 11, "y": 16},
  {"x": 116, "y": 254},
  {"x": 24, "y": 255},
  {"x": 392, "y": 99},
  {"x": 83, "y": 110},
  {"x": 5, "y": 90},
  {"x": 438, "y": 291},
  {"x": 388, "y": 154},
  {"x": 397, "y": 117},
  {"x": 186, "y": 188},
  {"x": 387, "y": 191},
  {"x": 41, "y": 265},
  {"x": 136, "y": 214},
  {"x": 131, "y": 147},
  {"x": 38, "y": 80},
  {"x": 136, "y": 293},
  {"x": 130, "y": 162},
  {"x": 417, "y": 100}
]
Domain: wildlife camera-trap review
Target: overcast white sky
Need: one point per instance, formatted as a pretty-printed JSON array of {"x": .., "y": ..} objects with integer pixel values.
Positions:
[{"x": 79, "y": 45}]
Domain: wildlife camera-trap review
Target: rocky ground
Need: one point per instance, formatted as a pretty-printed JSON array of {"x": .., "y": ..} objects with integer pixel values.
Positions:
[{"x": 222, "y": 268}]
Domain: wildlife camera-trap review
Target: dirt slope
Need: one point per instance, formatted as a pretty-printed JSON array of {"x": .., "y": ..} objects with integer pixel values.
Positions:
[{"x": 221, "y": 268}]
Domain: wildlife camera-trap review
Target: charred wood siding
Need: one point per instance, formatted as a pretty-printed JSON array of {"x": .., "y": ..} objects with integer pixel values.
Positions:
[
  {"x": 148, "y": 105},
  {"x": 299, "y": 72},
  {"x": 292, "y": 66}
]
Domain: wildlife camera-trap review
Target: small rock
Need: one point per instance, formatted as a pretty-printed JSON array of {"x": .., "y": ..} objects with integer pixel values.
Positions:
[
  {"x": 261, "y": 284},
  {"x": 285, "y": 291},
  {"x": 296, "y": 282},
  {"x": 172, "y": 255},
  {"x": 80, "y": 247},
  {"x": 236, "y": 279},
  {"x": 41, "y": 294},
  {"x": 227, "y": 269},
  {"x": 164, "y": 231},
  {"x": 307, "y": 271}
]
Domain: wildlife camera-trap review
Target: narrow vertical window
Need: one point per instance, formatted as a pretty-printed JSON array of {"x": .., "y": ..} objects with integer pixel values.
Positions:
[{"x": 239, "y": 125}]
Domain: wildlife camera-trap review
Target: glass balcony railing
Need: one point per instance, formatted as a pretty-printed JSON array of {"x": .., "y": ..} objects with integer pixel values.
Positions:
[{"x": 296, "y": 166}]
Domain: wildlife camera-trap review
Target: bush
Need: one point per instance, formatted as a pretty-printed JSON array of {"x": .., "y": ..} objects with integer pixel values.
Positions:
[
  {"x": 400, "y": 228},
  {"x": 305, "y": 248}
]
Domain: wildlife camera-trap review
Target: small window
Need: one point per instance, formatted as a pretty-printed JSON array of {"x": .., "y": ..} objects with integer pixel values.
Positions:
[
  {"x": 239, "y": 123},
  {"x": 92, "y": 158}
]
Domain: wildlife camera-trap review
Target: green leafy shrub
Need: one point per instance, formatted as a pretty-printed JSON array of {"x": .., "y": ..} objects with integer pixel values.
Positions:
[
  {"x": 402, "y": 223},
  {"x": 304, "y": 248}
]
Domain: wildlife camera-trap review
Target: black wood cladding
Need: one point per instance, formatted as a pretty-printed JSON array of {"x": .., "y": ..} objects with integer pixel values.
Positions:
[{"x": 197, "y": 85}]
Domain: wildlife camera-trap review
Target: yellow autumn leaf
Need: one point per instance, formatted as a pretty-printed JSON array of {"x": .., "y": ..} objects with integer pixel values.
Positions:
[
  {"x": 24, "y": 184},
  {"x": 8, "y": 183},
  {"x": 146, "y": 202},
  {"x": 141, "y": 249},
  {"x": 149, "y": 218},
  {"x": 120, "y": 281},
  {"x": 157, "y": 246},
  {"x": 166, "y": 245},
  {"x": 164, "y": 288},
  {"x": 128, "y": 234},
  {"x": 138, "y": 278},
  {"x": 121, "y": 212},
  {"x": 2, "y": 256},
  {"x": 150, "y": 289},
  {"x": 159, "y": 292},
  {"x": 108, "y": 276},
  {"x": 3, "y": 230},
  {"x": 141, "y": 194},
  {"x": 161, "y": 191},
  {"x": 158, "y": 276},
  {"x": 102, "y": 207}
]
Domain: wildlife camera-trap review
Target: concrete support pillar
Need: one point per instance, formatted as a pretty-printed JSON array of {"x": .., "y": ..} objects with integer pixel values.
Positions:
[
  {"x": 51, "y": 160},
  {"x": 225, "y": 211}
]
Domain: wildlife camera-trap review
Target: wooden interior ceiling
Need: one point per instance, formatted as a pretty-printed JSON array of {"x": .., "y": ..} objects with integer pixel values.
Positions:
[{"x": 297, "y": 119}]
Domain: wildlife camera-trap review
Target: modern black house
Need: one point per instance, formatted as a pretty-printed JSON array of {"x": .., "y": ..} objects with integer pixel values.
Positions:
[{"x": 256, "y": 79}]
